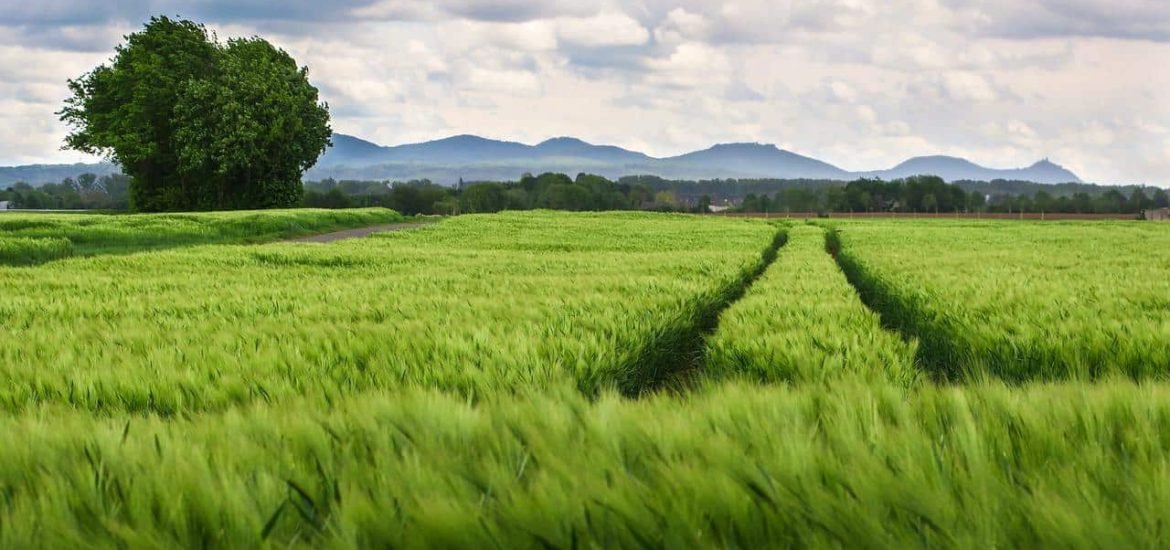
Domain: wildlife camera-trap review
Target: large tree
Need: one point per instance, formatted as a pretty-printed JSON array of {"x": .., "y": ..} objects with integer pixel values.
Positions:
[{"x": 198, "y": 124}]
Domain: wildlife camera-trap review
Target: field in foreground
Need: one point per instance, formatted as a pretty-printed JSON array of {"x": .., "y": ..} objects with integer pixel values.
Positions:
[
  {"x": 28, "y": 239},
  {"x": 565, "y": 380}
]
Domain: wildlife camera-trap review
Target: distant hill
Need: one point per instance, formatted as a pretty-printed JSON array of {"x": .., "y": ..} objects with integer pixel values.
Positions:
[
  {"x": 471, "y": 158},
  {"x": 37, "y": 174},
  {"x": 348, "y": 150},
  {"x": 953, "y": 169},
  {"x": 755, "y": 160},
  {"x": 474, "y": 158},
  {"x": 568, "y": 147}
]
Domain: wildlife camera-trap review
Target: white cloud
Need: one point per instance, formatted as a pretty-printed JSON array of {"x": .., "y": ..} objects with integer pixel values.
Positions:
[
  {"x": 1143, "y": 19},
  {"x": 681, "y": 25},
  {"x": 398, "y": 10},
  {"x": 862, "y": 83},
  {"x": 968, "y": 86},
  {"x": 842, "y": 91},
  {"x": 531, "y": 36},
  {"x": 519, "y": 10},
  {"x": 503, "y": 81},
  {"x": 606, "y": 29},
  {"x": 896, "y": 128},
  {"x": 691, "y": 65}
]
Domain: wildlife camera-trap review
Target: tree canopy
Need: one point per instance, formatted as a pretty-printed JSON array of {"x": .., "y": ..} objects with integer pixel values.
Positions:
[{"x": 198, "y": 124}]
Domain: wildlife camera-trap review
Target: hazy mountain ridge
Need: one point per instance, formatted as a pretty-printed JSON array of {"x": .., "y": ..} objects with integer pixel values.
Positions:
[
  {"x": 760, "y": 159},
  {"x": 474, "y": 158},
  {"x": 954, "y": 169},
  {"x": 38, "y": 174}
]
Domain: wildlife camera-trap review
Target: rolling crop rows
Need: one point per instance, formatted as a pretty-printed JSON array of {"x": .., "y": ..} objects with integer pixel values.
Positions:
[
  {"x": 478, "y": 305},
  {"x": 738, "y": 466},
  {"x": 492, "y": 381},
  {"x": 30, "y": 250},
  {"x": 36, "y": 238},
  {"x": 1021, "y": 302}
]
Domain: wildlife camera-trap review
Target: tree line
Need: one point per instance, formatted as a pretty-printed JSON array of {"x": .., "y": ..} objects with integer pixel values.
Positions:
[
  {"x": 551, "y": 191},
  {"x": 1113, "y": 201},
  {"x": 589, "y": 192},
  {"x": 86, "y": 192},
  {"x": 932, "y": 194},
  {"x": 914, "y": 194}
]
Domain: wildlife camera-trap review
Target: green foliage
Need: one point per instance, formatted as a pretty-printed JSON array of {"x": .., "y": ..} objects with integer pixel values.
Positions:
[
  {"x": 410, "y": 198},
  {"x": 548, "y": 191},
  {"x": 865, "y": 195},
  {"x": 704, "y": 205},
  {"x": 200, "y": 125},
  {"x": 254, "y": 129},
  {"x": 86, "y": 192},
  {"x": 917, "y": 194},
  {"x": 483, "y": 198},
  {"x": 564, "y": 196}
]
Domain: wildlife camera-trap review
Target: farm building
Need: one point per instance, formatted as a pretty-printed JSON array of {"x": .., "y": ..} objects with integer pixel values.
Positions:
[
  {"x": 3, "y": 205},
  {"x": 1159, "y": 214}
]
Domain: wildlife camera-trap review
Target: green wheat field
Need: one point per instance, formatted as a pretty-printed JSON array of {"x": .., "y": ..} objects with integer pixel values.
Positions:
[{"x": 556, "y": 380}]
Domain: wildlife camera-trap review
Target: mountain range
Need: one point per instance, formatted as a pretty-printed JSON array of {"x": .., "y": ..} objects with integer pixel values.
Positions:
[
  {"x": 473, "y": 158},
  {"x": 38, "y": 174}
]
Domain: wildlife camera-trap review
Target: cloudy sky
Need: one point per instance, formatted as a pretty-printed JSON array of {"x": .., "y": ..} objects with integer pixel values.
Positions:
[{"x": 863, "y": 84}]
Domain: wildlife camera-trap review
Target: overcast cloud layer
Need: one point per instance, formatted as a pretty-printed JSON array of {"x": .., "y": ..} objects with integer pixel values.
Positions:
[{"x": 863, "y": 84}]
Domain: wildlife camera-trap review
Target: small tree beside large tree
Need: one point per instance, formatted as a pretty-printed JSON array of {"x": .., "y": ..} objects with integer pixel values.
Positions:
[{"x": 198, "y": 124}]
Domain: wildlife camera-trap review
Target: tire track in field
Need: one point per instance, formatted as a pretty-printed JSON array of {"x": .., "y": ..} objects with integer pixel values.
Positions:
[
  {"x": 676, "y": 370},
  {"x": 937, "y": 352},
  {"x": 801, "y": 323}
]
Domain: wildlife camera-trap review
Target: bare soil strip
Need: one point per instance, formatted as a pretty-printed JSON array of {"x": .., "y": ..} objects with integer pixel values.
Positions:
[{"x": 359, "y": 232}]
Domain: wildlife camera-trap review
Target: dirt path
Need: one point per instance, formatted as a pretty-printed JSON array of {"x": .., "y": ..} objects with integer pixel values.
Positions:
[{"x": 359, "y": 232}]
